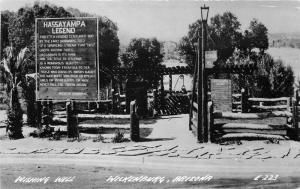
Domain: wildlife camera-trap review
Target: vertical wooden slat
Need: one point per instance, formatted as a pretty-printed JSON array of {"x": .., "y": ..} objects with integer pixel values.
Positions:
[
  {"x": 211, "y": 123},
  {"x": 199, "y": 91},
  {"x": 170, "y": 83},
  {"x": 244, "y": 100},
  {"x": 297, "y": 115},
  {"x": 193, "y": 93}
]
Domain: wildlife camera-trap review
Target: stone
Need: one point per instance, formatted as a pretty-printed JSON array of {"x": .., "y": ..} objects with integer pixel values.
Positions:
[
  {"x": 133, "y": 153},
  {"x": 90, "y": 151},
  {"x": 44, "y": 150},
  {"x": 135, "y": 148},
  {"x": 74, "y": 151},
  {"x": 57, "y": 151},
  {"x": 108, "y": 152},
  {"x": 26, "y": 151}
]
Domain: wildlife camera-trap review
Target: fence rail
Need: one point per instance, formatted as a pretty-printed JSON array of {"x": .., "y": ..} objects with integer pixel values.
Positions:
[{"x": 270, "y": 118}]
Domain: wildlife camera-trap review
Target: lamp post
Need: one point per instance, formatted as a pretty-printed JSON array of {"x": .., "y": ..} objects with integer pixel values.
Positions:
[{"x": 202, "y": 80}]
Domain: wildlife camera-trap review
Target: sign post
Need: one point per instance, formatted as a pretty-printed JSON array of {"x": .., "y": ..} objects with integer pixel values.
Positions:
[
  {"x": 67, "y": 62},
  {"x": 210, "y": 58},
  {"x": 67, "y": 59}
]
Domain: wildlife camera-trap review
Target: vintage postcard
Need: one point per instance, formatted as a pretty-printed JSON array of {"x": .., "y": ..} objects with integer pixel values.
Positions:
[{"x": 149, "y": 94}]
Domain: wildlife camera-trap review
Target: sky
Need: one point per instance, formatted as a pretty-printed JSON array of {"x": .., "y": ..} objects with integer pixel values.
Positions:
[{"x": 169, "y": 20}]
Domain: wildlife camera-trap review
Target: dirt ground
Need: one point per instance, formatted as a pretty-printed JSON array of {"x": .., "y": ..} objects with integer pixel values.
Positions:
[{"x": 273, "y": 165}]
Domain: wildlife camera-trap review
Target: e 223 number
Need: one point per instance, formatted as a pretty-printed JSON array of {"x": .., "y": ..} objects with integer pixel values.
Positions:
[{"x": 266, "y": 177}]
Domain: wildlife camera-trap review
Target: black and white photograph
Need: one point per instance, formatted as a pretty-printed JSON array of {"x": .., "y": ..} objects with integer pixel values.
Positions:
[{"x": 144, "y": 94}]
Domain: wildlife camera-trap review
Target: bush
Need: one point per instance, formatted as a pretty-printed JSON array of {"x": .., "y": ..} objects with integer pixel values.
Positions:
[
  {"x": 99, "y": 138},
  {"x": 118, "y": 136}
]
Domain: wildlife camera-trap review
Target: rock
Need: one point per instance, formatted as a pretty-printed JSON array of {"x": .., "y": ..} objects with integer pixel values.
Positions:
[
  {"x": 108, "y": 152},
  {"x": 57, "y": 151},
  {"x": 134, "y": 153},
  {"x": 44, "y": 150},
  {"x": 74, "y": 151},
  {"x": 90, "y": 151}
]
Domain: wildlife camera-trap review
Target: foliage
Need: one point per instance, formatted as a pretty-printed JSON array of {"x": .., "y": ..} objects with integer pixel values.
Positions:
[
  {"x": 223, "y": 36},
  {"x": 141, "y": 53},
  {"x": 259, "y": 35},
  {"x": 271, "y": 79},
  {"x": 255, "y": 37},
  {"x": 109, "y": 48},
  {"x": 22, "y": 26},
  {"x": 99, "y": 138},
  {"x": 109, "y": 44},
  {"x": 5, "y": 17},
  {"x": 224, "y": 33},
  {"x": 118, "y": 136},
  {"x": 21, "y": 29},
  {"x": 12, "y": 65}
]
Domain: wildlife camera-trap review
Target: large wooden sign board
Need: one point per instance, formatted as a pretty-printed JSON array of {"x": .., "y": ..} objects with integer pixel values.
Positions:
[
  {"x": 66, "y": 59},
  {"x": 221, "y": 94}
]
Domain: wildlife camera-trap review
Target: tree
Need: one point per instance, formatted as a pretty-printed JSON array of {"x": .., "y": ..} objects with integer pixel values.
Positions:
[
  {"x": 21, "y": 29},
  {"x": 271, "y": 79},
  {"x": 109, "y": 44},
  {"x": 224, "y": 33},
  {"x": 143, "y": 53},
  {"x": 11, "y": 71},
  {"x": 223, "y": 36},
  {"x": 5, "y": 17},
  {"x": 258, "y": 35},
  {"x": 108, "y": 47}
]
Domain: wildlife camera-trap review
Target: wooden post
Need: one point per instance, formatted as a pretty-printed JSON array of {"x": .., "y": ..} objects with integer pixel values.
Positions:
[
  {"x": 297, "y": 115},
  {"x": 45, "y": 114},
  {"x": 71, "y": 120},
  {"x": 205, "y": 83},
  {"x": 89, "y": 106},
  {"x": 244, "y": 99},
  {"x": 170, "y": 83},
  {"x": 39, "y": 114},
  {"x": 75, "y": 119},
  {"x": 210, "y": 122},
  {"x": 200, "y": 94},
  {"x": 134, "y": 123},
  {"x": 155, "y": 109},
  {"x": 113, "y": 97},
  {"x": 162, "y": 91},
  {"x": 50, "y": 110},
  {"x": 193, "y": 94}
]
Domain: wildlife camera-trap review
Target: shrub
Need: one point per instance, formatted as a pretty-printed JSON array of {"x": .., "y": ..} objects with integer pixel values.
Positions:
[{"x": 118, "y": 136}]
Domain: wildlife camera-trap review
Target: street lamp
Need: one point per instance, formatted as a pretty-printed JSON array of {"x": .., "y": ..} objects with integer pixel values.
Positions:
[
  {"x": 204, "y": 13},
  {"x": 202, "y": 81}
]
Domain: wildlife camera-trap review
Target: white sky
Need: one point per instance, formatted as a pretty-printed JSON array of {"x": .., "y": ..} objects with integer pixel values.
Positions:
[{"x": 169, "y": 20}]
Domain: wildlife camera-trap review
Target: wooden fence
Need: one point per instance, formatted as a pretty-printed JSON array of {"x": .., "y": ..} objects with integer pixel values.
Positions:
[
  {"x": 296, "y": 115},
  {"x": 268, "y": 119}
]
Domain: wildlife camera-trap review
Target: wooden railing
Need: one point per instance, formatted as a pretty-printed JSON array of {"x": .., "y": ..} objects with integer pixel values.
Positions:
[
  {"x": 270, "y": 104},
  {"x": 270, "y": 118},
  {"x": 296, "y": 116}
]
